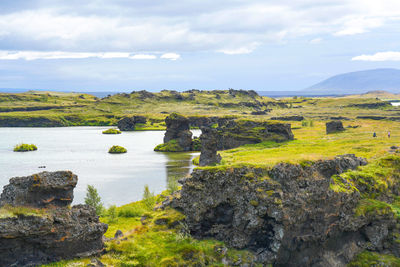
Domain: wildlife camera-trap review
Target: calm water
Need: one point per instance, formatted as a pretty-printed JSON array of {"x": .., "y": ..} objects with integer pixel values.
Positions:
[{"x": 120, "y": 178}]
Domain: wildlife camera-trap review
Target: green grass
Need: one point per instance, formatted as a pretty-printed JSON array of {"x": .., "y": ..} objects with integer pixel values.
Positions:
[
  {"x": 117, "y": 150},
  {"x": 171, "y": 146},
  {"x": 25, "y": 148},
  {"x": 111, "y": 131},
  {"x": 367, "y": 259}
]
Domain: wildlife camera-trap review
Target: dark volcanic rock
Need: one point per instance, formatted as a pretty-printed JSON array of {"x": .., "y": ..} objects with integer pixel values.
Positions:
[
  {"x": 288, "y": 118},
  {"x": 209, "y": 139},
  {"x": 233, "y": 133},
  {"x": 32, "y": 238},
  {"x": 178, "y": 129},
  {"x": 375, "y": 105},
  {"x": 40, "y": 190},
  {"x": 129, "y": 123},
  {"x": 334, "y": 126},
  {"x": 372, "y": 117},
  {"x": 199, "y": 121},
  {"x": 287, "y": 215}
]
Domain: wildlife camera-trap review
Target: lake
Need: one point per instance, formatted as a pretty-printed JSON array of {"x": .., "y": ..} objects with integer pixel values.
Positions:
[{"x": 119, "y": 178}]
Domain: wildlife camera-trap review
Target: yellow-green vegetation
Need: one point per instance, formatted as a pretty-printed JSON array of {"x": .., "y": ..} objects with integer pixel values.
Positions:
[
  {"x": 8, "y": 211},
  {"x": 111, "y": 131},
  {"x": 312, "y": 143},
  {"x": 171, "y": 146},
  {"x": 25, "y": 148},
  {"x": 367, "y": 259},
  {"x": 117, "y": 150},
  {"x": 157, "y": 238}
]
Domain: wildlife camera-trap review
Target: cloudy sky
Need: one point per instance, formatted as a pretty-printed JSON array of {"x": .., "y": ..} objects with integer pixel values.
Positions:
[{"x": 124, "y": 45}]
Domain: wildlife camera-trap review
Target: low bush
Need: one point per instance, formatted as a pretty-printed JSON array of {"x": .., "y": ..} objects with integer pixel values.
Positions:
[
  {"x": 171, "y": 146},
  {"x": 25, "y": 147},
  {"x": 117, "y": 150}
]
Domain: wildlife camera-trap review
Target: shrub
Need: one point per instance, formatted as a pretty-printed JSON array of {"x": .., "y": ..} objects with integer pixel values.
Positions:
[
  {"x": 117, "y": 150},
  {"x": 112, "y": 131},
  {"x": 196, "y": 144},
  {"x": 148, "y": 198},
  {"x": 93, "y": 199},
  {"x": 24, "y": 148},
  {"x": 131, "y": 211}
]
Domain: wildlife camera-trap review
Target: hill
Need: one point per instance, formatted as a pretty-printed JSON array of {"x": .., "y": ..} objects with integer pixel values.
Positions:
[{"x": 359, "y": 82}]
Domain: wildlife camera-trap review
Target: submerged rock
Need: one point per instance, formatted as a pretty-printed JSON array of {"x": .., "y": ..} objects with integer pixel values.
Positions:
[
  {"x": 334, "y": 127},
  {"x": 287, "y": 215},
  {"x": 31, "y": 235}
]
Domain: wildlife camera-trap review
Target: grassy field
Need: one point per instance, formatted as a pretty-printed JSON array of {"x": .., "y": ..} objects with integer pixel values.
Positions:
[{"x": 36, "y": 108}]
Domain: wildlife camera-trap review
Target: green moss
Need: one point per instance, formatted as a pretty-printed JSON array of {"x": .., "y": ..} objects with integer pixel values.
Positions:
[
  {"x": 367, "y": 207},
  {"x": 8, "y": 211},
  {"x": 254, "y": 203},
  {"x": 367, "y": 259},
  {"x": 117, "y": 150},
  {"x": 111, "y": 131},
  {"x": 24, "y": 148},
  {"x": 171, "y": 146}
]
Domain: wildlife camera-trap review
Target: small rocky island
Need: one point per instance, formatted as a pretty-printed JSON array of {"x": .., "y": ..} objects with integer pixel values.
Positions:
[{"x": 37, "y": 224}]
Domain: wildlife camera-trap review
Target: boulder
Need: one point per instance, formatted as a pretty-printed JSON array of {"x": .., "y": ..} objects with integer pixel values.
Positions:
[
  {"x": 209, "y": 139},
  {"x": 37, "y": 226},
  {"x": 334, "y": 127},
  {"x": 287, "y": 215},
  {"x": 40, "y": 190}
]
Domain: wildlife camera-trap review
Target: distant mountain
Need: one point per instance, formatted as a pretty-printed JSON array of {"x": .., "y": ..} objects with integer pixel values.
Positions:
[{"x": 359, "y": 82}]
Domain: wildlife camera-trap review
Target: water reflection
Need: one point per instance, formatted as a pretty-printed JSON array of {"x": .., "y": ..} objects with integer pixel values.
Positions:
[{"x": 178, "y": 165}]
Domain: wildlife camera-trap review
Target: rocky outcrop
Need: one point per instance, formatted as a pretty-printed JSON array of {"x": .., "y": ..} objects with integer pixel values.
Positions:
[
  {"x": 199, "y": 121},
  {"x": 129, "y": 123},
  {"x": 178, "y": 133},
  {"x": 37, "y": 226},
  {"x": 209, "y": 146},
  {"x": 40, "y": 190},
  {"x": 29, "y": 121},
  {"x": 232, "y": 133},
  {"x": 288, "y": 215},
  {"x": 288, "y": 118},
  {"x": 334, "y": 127}
]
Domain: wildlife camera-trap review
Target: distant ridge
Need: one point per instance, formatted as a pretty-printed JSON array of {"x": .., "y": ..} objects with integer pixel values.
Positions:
[{"x": 359, "y": 82}]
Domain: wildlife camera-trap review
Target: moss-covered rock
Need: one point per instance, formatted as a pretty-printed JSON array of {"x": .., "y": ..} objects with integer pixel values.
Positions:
[
  {"x": 117, "y": 150},
  {"x": 25, "y": 148},
  {"x": 111, "y": 131},
  {"x": 171, "y": 146}
]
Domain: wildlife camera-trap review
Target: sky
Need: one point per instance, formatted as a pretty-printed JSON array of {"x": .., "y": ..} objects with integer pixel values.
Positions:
[{"x": 263, "y": 45}]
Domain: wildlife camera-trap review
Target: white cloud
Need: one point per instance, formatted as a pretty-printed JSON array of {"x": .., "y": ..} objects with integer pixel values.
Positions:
[
  {"x": 143, "y": 56},
  {"x": 380, "y": 56},
  {"x": 316, "y": 41},
  {"x": 171, "y": 56},
  {"x": 34, "y": 55},
  {"x": 359, "y": 25},
  {"x": 186, "y": 26}
]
